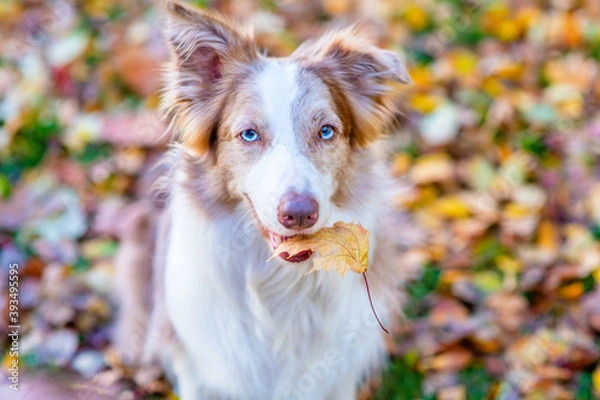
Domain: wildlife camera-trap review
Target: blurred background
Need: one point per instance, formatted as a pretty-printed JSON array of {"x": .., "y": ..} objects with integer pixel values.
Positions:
[{"x": 497, "y": 154}]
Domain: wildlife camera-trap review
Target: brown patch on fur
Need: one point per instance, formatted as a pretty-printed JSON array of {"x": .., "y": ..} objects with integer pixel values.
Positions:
[
  {"x": 360, "y": 76},
  {"x": 355, "y": 178},
  {"x": 208, "y": 185},
  {"x": 207, "y": 56},
  {"x": 203, "y": 179},
  {"x": 361, "y": 80},
  {"x": 233, "y": 157}
]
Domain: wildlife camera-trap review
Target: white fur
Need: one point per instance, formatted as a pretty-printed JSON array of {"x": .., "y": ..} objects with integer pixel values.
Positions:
[
  {"x": 257, "y": 330},
  {"x": 284, "y": 168}
]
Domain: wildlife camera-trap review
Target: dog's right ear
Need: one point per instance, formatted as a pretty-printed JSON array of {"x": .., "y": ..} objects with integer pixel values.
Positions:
[
  {"x": 205, "y": 49},
  {"x": 363, "y": 77}
]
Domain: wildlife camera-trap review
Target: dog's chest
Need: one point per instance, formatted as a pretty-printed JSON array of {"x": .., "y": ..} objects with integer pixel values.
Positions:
[{"x": 248, "y": 323}]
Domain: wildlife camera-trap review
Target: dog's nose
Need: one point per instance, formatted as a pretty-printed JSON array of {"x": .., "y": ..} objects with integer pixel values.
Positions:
[{"x": 297, "y": 211}]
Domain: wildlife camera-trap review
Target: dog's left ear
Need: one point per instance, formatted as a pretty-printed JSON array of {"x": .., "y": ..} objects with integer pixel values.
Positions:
[
  {"x": 362, "y": 78},
  {"x": 205, "y": 49}
]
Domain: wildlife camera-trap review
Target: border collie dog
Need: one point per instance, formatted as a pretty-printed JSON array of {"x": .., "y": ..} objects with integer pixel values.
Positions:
[{"x": 266, "y": 149}]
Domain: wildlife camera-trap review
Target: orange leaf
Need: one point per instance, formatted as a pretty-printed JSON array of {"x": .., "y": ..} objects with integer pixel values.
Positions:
[{"x": 343, "y": 247}]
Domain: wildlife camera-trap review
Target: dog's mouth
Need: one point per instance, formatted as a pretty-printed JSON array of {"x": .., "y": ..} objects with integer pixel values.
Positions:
[{"x": 276, "y": 239}]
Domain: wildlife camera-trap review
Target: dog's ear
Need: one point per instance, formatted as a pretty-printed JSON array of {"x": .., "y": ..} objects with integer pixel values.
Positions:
[
  {"x": 361, "y": 76},
  {"x": 205, "y": 48}
]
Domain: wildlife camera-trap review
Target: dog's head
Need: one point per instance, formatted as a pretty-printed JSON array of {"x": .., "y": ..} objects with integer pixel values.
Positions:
[{"x": 279, "y": 132}]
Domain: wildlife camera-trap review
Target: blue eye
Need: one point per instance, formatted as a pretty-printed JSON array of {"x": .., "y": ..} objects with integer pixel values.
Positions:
[
  {"x": 249, "y": 135},
  {"x": 326, "y": 132}
]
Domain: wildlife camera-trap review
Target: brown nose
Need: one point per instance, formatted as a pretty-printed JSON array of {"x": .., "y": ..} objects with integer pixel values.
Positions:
[{"x": 297, "y": 211}]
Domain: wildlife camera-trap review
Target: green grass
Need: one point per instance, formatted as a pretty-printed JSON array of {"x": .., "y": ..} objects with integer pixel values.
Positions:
[{"x": 401, "y": 382}]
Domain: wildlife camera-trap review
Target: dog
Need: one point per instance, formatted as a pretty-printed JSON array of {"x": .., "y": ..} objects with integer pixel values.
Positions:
[{"x": 266, "y": 149}]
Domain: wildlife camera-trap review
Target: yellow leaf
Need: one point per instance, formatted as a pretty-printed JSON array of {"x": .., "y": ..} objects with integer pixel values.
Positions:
[
  {"x": 510, "y": 70},
  {"x": 464, "y": 63},
  {"x": 426, "y": 196},
  {"x": 508, "y": 264},
  {"x": 425, "y": 103},
  {"x": 343, "y": 247},
  {"x": 451, "y": 207},
  {"x": 548, "y": 237},
  {"x": 516, "y": 211},
  {"x": 596, "y": 378},
  {"x": 421, "y": 76},
  {"x": 450, "y": 276},
  {"x": 492, "y": 86},
  {"x": 528, "y": 16},
  {"x": 8, "y": 361},
  {"x": 416, "y": 17},
  {"x": 508, "y": 30},
  {"x": 435, "y": 167},
  {"x": 9, "y": 10},
  {"x": 488, "y": 281},
  {"x": 336, "y": 7},
  {"x": 97, "y": 8}
]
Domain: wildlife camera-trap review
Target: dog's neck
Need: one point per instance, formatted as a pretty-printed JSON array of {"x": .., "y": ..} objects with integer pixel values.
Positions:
[{"x": 229, "y": 253}]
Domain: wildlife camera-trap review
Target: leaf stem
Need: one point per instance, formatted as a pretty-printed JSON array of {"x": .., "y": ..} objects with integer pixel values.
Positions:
[{"x": 371, "y": 303}]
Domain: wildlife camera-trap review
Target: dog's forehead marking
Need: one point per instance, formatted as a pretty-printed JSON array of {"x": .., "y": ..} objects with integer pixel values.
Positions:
[{"x": 278, "y": 90}]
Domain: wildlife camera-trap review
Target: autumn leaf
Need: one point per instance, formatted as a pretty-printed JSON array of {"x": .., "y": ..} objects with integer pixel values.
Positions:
[
  {"x": 596, "y": 379},
  {"x": 345, "y": 246},
  {"x": 342, "y": 247}
]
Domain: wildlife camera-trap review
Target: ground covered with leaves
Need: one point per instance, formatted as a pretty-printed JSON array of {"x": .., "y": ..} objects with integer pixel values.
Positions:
[{"x": 496, "y": 155}]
